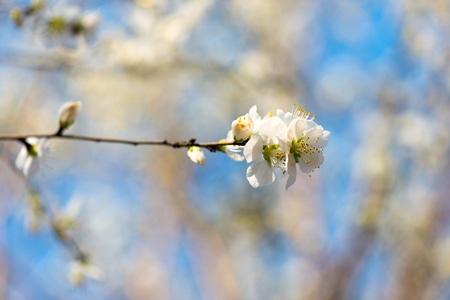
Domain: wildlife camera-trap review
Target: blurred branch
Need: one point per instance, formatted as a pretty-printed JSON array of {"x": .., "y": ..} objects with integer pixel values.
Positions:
[
  {"x": 41, "y": 212},
  {"x": 43, "y": 60}
]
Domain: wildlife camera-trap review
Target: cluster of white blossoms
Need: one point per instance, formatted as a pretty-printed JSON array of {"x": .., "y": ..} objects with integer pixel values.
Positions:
[
  {"x": 273, "y": 144},
  {"x": 277, "y": 143}
]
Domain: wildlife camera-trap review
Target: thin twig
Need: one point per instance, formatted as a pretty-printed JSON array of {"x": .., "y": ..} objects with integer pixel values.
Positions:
[{"x": 212, "y": 146}]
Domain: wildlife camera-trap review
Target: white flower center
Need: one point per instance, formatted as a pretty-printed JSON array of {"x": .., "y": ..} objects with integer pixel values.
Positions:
[
  {"x": 304, "y": 146},
  {"x": 275, "y": 156}
]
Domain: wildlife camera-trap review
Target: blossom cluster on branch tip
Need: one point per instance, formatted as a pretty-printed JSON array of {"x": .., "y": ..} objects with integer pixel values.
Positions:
[
  {"x": 277, "y": 143},
  {"x": 273, "y": 144}
]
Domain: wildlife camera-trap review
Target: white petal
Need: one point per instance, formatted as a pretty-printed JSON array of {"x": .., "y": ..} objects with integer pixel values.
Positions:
[
  {"x": 310, "y": 161},
  {"x": 260, "y": 174},
  {"x": 32, "y": 166},
  {"x": 318, "y": 137},
  {"x": 32, "y": 140},
  {"x": 20, "y": 160},
  {"x": 234, "y": 155},
  {"x": 253, "y": 112},
  {"x": 291, "y": 165},
  {"x": 26, "y": 166},
  {"x": 291, "y": 180},
  {"x": 288, "y": 118},
  {"x": 296, "y": 129},
  {"x": 310, "y": 124},
  {"x": 271, "y": 128},
  {"x": 323, "y": 139},
  {"x": 280, "y": 114},
  {"x": 253, "y": 148},
  {"x": 291, "y": 169},
  {"x": 255, "y": 117}
]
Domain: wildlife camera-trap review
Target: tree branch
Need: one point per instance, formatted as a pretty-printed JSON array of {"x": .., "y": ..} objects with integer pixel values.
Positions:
[{"x": 212, "y": 146}]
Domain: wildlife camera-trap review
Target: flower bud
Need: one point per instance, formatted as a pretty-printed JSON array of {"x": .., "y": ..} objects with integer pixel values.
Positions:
[
  {"x": 68, "y": 113},
  {"x": 242, "y": 128},
  {"x": 196, "y": 155}
]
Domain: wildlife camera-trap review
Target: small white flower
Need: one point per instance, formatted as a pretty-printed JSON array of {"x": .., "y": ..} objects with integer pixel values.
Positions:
[
  {"x": 307, "y": 140},
  {"x": 266, "y": 150},
  {"x": 196, "y": 155},
  {"x": 68, "y": 113},
  {"x": 27, "y": 160}
]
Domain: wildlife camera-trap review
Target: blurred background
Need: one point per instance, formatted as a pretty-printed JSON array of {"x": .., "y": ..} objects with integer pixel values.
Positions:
[{"x": 371, "y": 223}]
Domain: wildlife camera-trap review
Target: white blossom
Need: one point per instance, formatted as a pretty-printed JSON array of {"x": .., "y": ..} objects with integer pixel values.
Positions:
[
  {"x": 265, "y": 151},
  {"x": 277, "y": 142},
  {"x": 28, "y": 159},
  {"x": 307, "y": 140}
]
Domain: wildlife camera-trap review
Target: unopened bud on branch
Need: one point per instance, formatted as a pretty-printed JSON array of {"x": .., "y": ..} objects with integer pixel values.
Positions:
[
  {"x": 68, "y": 113},
  {"x": 242, "y": 128},
  {"x": 196, "y": 155}
]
